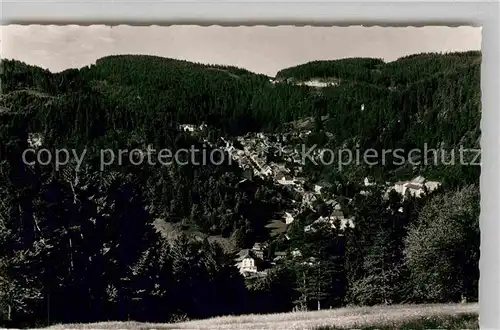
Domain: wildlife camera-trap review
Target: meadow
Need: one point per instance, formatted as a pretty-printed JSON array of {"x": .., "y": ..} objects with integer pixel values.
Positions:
[{"x": 433, "y": 316}]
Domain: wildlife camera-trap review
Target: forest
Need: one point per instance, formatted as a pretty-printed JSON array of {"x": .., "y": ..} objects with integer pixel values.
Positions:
[{"x": 158, "y": 243}]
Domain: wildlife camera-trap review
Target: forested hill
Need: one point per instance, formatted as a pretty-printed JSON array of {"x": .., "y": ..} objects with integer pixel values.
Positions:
[
  {"x": 431, "y": 99},
  {"x": 402, "y": 72}
]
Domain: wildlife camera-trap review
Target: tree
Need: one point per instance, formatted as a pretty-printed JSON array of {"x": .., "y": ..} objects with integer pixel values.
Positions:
[
  {"x": 320, "y": 275},
  {"x": 442, "y": 247}
]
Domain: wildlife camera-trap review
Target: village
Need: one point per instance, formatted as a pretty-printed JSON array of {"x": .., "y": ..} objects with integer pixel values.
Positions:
[
  {"x": 271, "y": 156},
  {"x": 274, "y": 157},
  {"x": 254, "y": 152}
]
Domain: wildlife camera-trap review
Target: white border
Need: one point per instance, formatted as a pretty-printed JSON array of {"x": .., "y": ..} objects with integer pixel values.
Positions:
[{"x": 326, "y": 13}]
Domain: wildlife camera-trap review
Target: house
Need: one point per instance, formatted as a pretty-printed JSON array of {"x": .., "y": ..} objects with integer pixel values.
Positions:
[
  {"x": 418, "y": 180},
  {"x": 299, "y": 189},
  {"x": 317, "y": 189},
  {"x": 279, "y": 256},
  {"x": 308, "y": 199},
  {"x": 35, "y": 140},
  {"x": 296, "y": 253},
  {"x": 188, "y": 127},
  {"x": 335, "y": 216},
  {"x": 399, "y": 187},
  {"x": 258, "y": 249},
  {"x": 286, "y": 180},
  {"x": 246, "y": 262},
  {"x": 335, "y": 204},
  {"x": 432, "y": 185},
  {"x": 415, "y": 187},
  {"x": 266, "y": 170},
  {"x": 289, "y": 218}
]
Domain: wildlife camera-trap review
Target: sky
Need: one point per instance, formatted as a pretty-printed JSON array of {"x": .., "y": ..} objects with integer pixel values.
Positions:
[{"x": 259, "y": 49}]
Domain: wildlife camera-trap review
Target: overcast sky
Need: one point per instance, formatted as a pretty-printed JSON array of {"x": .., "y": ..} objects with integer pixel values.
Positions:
[{"x": 260, "y": 49}]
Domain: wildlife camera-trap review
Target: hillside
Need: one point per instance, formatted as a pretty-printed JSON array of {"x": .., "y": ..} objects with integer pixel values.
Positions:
[
  {"x": 399, "y": 73},
  {"x": 98, "y": 238}
]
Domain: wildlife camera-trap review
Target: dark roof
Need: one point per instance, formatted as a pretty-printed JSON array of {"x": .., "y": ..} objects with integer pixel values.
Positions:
[
  {"x": 259, "y": 246},
  {"x": 337, "y": 213},
  {"x": 245, "y": 253},
  {"x": 324, "y": 184}
]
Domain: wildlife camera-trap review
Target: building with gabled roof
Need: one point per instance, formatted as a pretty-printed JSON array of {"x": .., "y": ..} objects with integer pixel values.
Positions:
[{"x": 246, "y": 262}]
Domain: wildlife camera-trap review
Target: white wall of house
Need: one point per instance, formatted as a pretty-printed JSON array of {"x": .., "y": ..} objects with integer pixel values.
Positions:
[
  {"x": 400, "y": 188},
  {"x": 317, "y": 189},
  {"x": 248, "y": 266},
  {"x": 286, "y": 182},
  {"x": 414, "y": 191},
  {"x": 188, "y": 128},
  {"x": 432, "y": 185}
]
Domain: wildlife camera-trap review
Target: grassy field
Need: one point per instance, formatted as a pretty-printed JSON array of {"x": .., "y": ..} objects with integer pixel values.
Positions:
[{"x": 442, "y": 316}]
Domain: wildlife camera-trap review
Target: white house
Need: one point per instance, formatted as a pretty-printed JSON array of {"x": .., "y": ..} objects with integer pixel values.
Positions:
[
  {"x": 289, "y": 218},
  {"x": 344, "y": 222},
  {"x": 418, "y": 180},
  {"x": 432, "y": 185},
  {"x": 267, "y": 170},
  {"x": 317, "y": 189},
  {"x": 367, "y": 182},
  {"x": 246, "y": 262},
  {"x": 286, "y": 180},
  {"x": 188, "y": 127},
  {"x": 414, "y": 189},
  {"x": 416, "y": 186},
  {"x": 248, "y": 265},
  {"x": 399, "y": 187}
]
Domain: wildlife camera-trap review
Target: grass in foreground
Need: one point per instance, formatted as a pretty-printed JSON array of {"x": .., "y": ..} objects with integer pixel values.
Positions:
[
  {"x": 455, "y": 322},
  {"x": 435, "y": 316}
]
